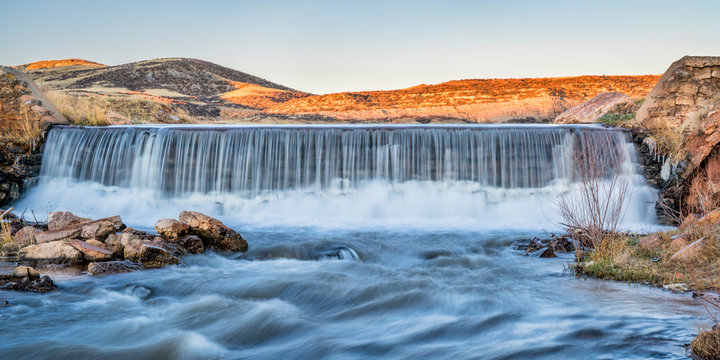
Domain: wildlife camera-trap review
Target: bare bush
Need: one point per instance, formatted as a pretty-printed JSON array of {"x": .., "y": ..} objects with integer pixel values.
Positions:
[{"x": 592, "y": 215}]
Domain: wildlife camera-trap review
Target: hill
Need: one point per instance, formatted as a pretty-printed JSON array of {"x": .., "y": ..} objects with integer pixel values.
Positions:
[
  {"x": 58, "y": 63},
  {"x": 474, "y": 100},
  {"x": 191, "y": 90}
]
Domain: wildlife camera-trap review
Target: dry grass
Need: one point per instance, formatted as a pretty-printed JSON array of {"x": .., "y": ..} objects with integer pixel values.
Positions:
[
  {"x": 634, "y": 263},
  {"x": 670, "y": 142},
  {"x": 80, "y": 110},
  {"x": 25, "y": 132},
  {"x": 5, "y": 230},
  {"x": 93, "y": 109},
  {"x": 706, "y": 345}
]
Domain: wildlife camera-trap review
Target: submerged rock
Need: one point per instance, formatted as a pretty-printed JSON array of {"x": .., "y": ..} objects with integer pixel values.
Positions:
[
  {"x": 213, "y": 232},
  {"x": 113, "y": 267}
]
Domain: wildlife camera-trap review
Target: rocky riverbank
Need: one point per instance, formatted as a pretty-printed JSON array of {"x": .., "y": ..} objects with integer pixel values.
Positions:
[{"x": 106, "y": 245}]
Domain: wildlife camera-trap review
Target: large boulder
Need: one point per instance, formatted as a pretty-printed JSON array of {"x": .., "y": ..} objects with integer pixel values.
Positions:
[
  {"x": 171, "y": 228},
  {"x": 56, "y": 252},
  {"x": 690, "y": 252},
  {"x": 592, "y": 110},
  {"x": 61, "y": 219},
  {"x": 189, "y": 244},
  {"x": 91, "y": 252},
  {"x": 94, "y": 229},
  {"x": 150, "y": 256},
  {"x": 25, "y": 236},
  {"x": 213, "y": 232},
  {"x": 97, "y": 230},
  {"x": 65, "y": 233}
]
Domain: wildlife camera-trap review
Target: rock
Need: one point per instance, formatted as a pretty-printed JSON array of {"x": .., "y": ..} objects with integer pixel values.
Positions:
[
  {"x": 59, "y": 234},
  {"x": 680, "y": 241},
  {"x": 134, "y": 232},
  {"x": 97, "y": 243},
  {"x": 215, "y": 234},
  {"x": 592, "y": 110},
  {"x": 93, "y": 229},
  {"x": 127, "y": 238},
  {"x": 131, "y": 250},
  {"x": 171, "y": 228},
  {"x": 61, "y": 219},
  {"x": 710, "y": 218},
  {"x": 91, "y": 252},
  {"x": 113, "y": 267},
  {"x": 97, "y": 230},
  {"x": 650, "y": 242},
  {"x": 114, "y": 118},
  {"x": 10, "y": 250},
  {"x": 41, "y": 285},
  {"x": 189, "y": 244},
  {"x": 689, "y": 221},
  {"x": 676, "y": 287},
  {"x": 548, "y": 253},
  {"x": 56, "y": 252},
  {"x": 113, "y": 244},
  {"x": 25, "y": 236},
  {"x": 690, "y": 251},
  {"x": 25, "y": 272},
  {"x": 150, "y": 256}
]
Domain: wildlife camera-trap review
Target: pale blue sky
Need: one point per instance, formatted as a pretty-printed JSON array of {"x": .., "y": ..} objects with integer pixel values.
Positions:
[{"x": 330, "y": 46}]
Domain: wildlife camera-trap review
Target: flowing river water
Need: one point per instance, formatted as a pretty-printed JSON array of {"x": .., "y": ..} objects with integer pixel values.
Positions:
[{"x": 365, "y": 242}]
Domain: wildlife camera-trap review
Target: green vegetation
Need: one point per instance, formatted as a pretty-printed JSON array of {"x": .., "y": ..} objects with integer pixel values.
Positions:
[
  {"x": 635, "y": 261},
  {"x": 612, "y": 119}
]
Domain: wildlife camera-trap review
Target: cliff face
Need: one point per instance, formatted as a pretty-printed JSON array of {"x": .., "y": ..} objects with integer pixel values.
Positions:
[
  {"x": 684, "y": 109},
  {"x": 25, "y": 116},
  {"x": 684, "y": 94}
]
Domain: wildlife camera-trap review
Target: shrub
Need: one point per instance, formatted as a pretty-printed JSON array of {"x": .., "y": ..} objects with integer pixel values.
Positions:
[{"x": 592, "y": 214}]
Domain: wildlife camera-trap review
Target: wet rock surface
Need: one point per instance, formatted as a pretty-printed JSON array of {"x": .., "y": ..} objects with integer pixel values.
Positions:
[
  {"x": 215, "y": 234},
  {"x": 108, "y": 246},
  {"x": 545, "y": 248},
  {"x": 113, "y": 267},
  {"x": 25, "y": 278}
]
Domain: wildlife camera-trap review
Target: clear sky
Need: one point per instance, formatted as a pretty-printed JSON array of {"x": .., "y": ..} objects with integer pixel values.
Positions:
[{"x": 330, "y": 46}]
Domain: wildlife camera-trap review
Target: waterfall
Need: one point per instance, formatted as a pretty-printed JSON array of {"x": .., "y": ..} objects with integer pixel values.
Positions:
[{"x": 239, "y": 169}]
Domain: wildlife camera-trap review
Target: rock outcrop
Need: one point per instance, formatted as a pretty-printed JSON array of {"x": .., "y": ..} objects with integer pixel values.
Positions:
[
  {"x": 25, "y": 116},
  {"x": 683, "y": 94},
  {"x": 683, "y": 110},
  {"x": 592, "y": 110}
]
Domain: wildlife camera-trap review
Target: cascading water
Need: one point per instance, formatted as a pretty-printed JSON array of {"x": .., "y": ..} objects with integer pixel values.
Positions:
[
  {"x": 365, "y": 242},
  {"x": 499, "y": 176}
]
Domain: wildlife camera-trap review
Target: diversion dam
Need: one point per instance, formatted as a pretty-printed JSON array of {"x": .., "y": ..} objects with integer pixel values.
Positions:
[{"x": 463, "y": 175}]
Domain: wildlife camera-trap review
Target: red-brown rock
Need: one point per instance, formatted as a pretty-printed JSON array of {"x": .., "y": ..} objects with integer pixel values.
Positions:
[{"x": 91, "y": 252}]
